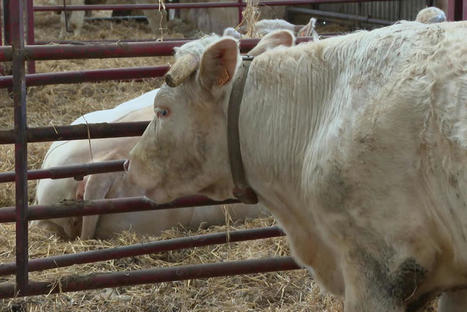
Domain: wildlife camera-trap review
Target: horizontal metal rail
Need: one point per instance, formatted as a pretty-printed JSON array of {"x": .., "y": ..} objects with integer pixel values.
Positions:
[
  {"x": 72, "y": 171},
  {"x": 78, "y": 132},
  {"x": 106, "y": 41},
  {"x": 116, "y": 18},
  {"x": 110, "y": 50},
  {"x": 129, "y": 73},
  {"x": 129, "y": 278},
  {"x": 340, "y": 16},
  {"x": 144, "y": 249},
  {"x": 106, "y": 206},
  {"x": 199, "y": 5}
]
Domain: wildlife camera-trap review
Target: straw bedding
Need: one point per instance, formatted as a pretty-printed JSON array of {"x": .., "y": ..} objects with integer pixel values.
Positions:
[{"x": 61, "y": 104}]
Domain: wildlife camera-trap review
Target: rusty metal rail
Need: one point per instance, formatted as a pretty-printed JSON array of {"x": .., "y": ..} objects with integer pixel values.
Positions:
[
  {"x": 78, "y": 132},
  {"x": 199, "y": 5},
  {"x": 105, "y": 206},
  {"x": 77, "y": 171},
  {"x": 110, "y": 50},
  {"x": 97, "y": 75},
  {"x": 129, "y": 278},
  {"x": 144, "y": 248}
]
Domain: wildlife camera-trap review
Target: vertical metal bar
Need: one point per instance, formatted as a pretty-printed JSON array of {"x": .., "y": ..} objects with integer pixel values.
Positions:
[
  {"x": 6, "y": 21},
  {"x": 458, "y": 10},
  {"x": 464, "y": 10},
  {"x": 21, "y": 186},
  {"x": 30, "y": 32},
  {"x": 240, "y": 10},
  {"x": 2, "y": 71},
  {"x": 1, "y": 24},
  {"x": 451, "y": 10}
]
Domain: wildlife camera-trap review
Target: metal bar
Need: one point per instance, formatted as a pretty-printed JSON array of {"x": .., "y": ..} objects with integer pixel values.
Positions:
[
  {"x": 119, "y": 49},
  {"x": 30, "y": 32},
  {"x": 21, "y": 186},
  {"x": 240, "y": 11},
  {"x": 6, "y": 22},
  {"x": 458, "y": 13},
  {"x": 144, "y": 249},
  {"x": 116, "y": 18},
  {"x": 341, "y": 16},
  {"x": 451, "y": 10},
  {"x": 106, "y": 206},
  {"x": 78, "y": 132},
  {"x": 2, "y": 19},
  {"x": 463, "y": 10},
  {"x": 122, "y": 7},
  {"x": 76, "y": 171},
  {"x": 81, "y": 42},
  {"x": 130, "y": 73},
  {"x": 178, "y": 273}
]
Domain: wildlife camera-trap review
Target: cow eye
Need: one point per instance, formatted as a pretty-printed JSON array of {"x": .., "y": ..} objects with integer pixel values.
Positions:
[{"x": 162, "y": 112}]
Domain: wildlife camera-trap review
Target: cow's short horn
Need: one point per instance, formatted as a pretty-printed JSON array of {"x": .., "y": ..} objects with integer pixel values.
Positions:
[{"x": 181, "y": 70}]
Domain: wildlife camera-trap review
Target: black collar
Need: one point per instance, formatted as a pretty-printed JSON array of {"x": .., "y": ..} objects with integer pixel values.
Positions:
[{"x": 242, "y": 191}]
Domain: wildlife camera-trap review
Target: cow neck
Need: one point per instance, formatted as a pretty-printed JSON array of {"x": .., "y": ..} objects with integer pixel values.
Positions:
[{"x": 242, "y": 190}]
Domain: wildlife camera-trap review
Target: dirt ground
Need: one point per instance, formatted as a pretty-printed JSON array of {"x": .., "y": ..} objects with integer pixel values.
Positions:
[{"x": 60, "y": 105}]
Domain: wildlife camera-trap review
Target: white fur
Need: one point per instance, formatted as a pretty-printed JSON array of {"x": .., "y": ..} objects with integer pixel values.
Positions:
[{"x": 357, "y": 144}]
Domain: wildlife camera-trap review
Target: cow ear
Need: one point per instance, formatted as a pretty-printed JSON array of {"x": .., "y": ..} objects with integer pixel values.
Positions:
[
  {"x": 272, "y": 40},
  {"x": 218, "y": 63}
]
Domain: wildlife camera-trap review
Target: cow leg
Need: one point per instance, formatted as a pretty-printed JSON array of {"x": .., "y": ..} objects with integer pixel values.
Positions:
[
  {"x": 97, "y": 186},
  {"x": 373, "y": 283},
  {"x": 453, "y": 301},
  {"x": 364, "y": 295}
]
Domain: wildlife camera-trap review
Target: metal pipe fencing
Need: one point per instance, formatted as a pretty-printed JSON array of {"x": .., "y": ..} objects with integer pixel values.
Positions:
[{"x": 19, "y": 54}]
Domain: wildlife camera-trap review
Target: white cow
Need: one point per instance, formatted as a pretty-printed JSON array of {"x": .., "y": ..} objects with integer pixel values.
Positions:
[
  {"x": 266, "y": 26},
  {"x": 156, "y": 18},
  {"x": 431, "y": 15},
  {"x": 114, "y": 185},
  {"x": 357, "y": 144}
]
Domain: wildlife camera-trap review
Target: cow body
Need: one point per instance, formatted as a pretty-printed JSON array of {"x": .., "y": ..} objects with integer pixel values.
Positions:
[
  {"x": 357, "y": 144},
  {"x": 75, "y": 19}
]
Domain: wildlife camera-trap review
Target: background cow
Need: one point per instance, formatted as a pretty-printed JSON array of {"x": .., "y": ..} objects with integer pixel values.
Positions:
[
  {"x": 115, "y": 185},
  {"x": 357, "y": 144},
  {"x": 75, "y": 19}
]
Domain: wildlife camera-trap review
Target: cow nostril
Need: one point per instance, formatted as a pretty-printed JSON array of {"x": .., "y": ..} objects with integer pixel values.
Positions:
[{"x": 126, "y": 164}]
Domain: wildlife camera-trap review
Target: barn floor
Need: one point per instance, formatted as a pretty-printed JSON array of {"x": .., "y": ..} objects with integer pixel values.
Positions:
[{"x": 61, "y": 104}]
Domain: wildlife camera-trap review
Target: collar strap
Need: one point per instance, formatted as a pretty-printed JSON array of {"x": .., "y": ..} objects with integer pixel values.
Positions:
[{"x": 242, "y": 191}]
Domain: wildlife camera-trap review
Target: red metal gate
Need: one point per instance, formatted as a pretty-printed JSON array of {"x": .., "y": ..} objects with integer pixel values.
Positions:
[{"x": 20, "y": 54}]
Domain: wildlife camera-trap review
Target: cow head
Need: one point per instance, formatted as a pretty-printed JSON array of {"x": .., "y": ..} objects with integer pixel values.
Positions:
[{"x": 184, "y": 149}]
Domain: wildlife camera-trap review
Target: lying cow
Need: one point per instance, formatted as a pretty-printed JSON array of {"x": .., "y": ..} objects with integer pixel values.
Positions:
[
  {"x": 114, "y": 185},
  {"x": 266, "y": 26},
  {"x": 72, "y": 21},
  {"x": 357, "y": 144}
]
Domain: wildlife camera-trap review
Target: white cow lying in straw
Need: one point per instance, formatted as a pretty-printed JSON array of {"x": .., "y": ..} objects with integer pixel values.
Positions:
[
  {"x": 357, "y": 144},
  {"x": 266, "y": 26},
  {"x": 114, "y": 185}
]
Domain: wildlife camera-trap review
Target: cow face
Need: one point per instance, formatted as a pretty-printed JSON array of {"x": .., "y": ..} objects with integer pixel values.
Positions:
[{"x": 184, "y": 149}]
